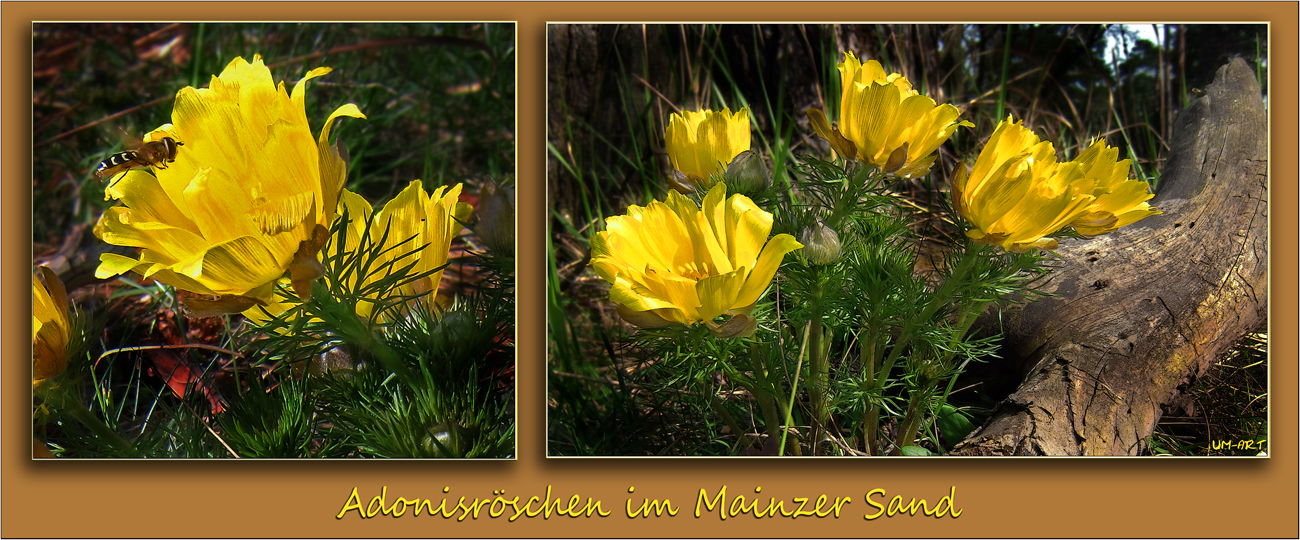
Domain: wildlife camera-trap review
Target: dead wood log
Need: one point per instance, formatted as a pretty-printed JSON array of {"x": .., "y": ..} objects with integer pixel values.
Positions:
[{"x": 1139, "y": 313}]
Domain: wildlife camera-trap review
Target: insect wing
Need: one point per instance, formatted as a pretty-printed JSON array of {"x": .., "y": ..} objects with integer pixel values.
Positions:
[{"x": 116, "y": 163}]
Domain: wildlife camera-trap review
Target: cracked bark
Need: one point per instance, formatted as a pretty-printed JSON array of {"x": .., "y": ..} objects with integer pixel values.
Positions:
[{"x": 1099, "y": 361}]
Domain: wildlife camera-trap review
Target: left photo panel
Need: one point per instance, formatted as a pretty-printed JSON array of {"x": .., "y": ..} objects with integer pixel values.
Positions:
[{"x": 273, "y": 240}]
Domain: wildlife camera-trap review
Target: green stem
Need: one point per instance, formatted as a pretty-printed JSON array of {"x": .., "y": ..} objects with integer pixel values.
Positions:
[
  {"x": 770, "y": 416},
  {"x": 871, "y": 430},
  {"x": 871, "y": 418},
  {"x": 368, "y": 342},
  {"x": 819, "y": 367},
  {"x": 742, "y": 440},
  {"x": 851, "y": 190},
  {"x": 358, "y": 333},
  {"x": 819, "y": 370},
  {"x": 963, "y": 326},
  {"x": 907, "y": 429}
]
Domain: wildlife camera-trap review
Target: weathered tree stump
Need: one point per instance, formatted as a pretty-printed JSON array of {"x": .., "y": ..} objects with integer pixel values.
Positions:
[{"x": 1141, "y": 312}]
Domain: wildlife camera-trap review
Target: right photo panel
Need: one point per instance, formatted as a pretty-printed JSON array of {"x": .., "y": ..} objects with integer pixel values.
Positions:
[{"x": 907, "y": 240}]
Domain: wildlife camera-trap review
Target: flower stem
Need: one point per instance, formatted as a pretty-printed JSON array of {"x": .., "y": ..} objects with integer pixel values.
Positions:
[
  {"x": 358, "y": 333},
  {"x": 820, "y": 370},
  {"x": 907, "y": 429},
  {"x": 742, "y": 440},
  {"x": 871, "y": 418},
  {"x": 852, "y": 190}
]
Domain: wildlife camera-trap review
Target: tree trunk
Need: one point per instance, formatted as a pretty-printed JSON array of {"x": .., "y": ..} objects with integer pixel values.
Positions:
[{"x": 1141, "y": 312}]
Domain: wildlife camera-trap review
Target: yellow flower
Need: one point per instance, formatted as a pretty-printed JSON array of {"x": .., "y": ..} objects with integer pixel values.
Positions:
[
  {"x": 1120, "y": 201},
  {"x": 884, "y": 121},
  {"x": 1016, "y": 194},
  {"x": 420, "y": 227},
  {"x": 248, "y": 200},
  {"x": 416, "y": 229},
  {"x": 50, "y": 327},
  {"x": 702, "y": 143},
  {"x": 675, "y": 262}
]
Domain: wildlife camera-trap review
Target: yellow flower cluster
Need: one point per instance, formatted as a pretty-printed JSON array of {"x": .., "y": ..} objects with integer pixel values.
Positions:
[{"x": 1017, "y": 194}]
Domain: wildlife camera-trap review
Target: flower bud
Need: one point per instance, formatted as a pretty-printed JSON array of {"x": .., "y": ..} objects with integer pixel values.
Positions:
[
  {"x": 496, "y": 217},
  {"x": 821, "y": 244},
  {"x": 931, "y": 371},
  {"x": 748, "y": 173}
]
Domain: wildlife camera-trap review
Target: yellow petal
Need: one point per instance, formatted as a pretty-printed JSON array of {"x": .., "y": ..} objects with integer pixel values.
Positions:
[
  {"x": 333, "y": 170},
  {"x": 112, "y": 264},
  {"x": 1017, "y": 194},
  {"x": 740, "y": 325},
  {"x": 299, "y": 90},
  {"x": 199, "y": 307},
  {"x": 238, "y": 266},
  {"x": 752, "y": 226},
  {"x": 765, "y": 269},
  {"x": 717, "y": 294},
  {"x": 844, "y": 147},
  {"x": 636, "y": 298},
  {"x": 1119, "y": 200}
]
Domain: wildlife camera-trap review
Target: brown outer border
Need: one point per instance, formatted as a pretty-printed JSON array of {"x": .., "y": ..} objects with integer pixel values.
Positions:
[{"x": 1017, "y": 498}]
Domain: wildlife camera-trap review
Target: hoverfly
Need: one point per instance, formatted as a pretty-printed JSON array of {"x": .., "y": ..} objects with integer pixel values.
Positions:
[{"x": 151, "y": 154}]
